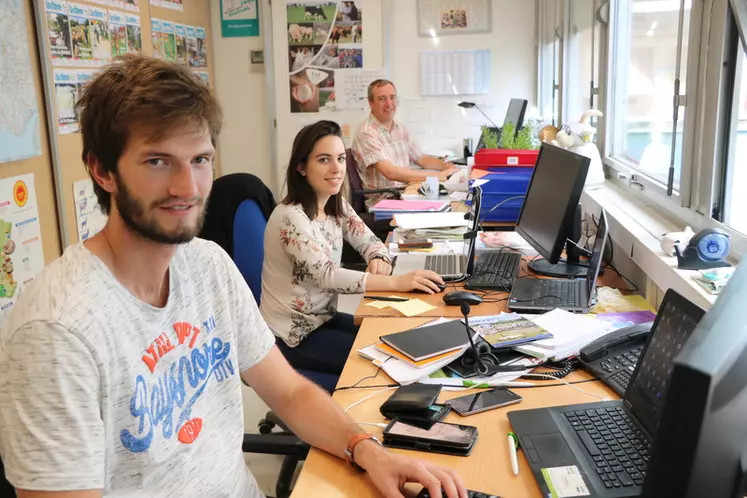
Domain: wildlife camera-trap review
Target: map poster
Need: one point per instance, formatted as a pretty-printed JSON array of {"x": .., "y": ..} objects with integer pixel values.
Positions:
[
  {"x": 100, "y": 39},
  {"x": 19, "y": 113},
  {"x": 118, "y": 28},
  {"x": 87, "y": 212},
  {"x": 169, "y": 42},
  {"x": 21, "y": 251},
  {"x": 66, "y": 93},
  {"x": 58, "y": 32},
  {"x": 181, "y": 43},
  {"x": 78, "y": 17},
  {"x": 134, "y": 36}
]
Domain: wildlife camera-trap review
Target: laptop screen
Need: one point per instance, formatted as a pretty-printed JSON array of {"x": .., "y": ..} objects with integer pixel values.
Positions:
[
  {"x": 595, "y": 261},
  {"x": 675, "y": 322}
]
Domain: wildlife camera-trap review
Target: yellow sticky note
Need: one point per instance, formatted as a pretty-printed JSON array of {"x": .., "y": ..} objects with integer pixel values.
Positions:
[
  {"x": 378, "y": 304},
  {"x": 413, "y": 307}
]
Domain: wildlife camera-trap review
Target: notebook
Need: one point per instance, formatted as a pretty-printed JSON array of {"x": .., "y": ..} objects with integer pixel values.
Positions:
[{"x": 425, "y": 342}]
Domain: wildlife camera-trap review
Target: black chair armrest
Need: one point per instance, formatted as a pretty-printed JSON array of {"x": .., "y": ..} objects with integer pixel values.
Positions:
[
  {"x": 395, "y": 191},
  {"x": 275, "y": 444}
]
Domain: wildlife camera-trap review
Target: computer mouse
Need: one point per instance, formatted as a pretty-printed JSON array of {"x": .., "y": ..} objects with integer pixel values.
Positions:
[{"x": 456, "y": 298}]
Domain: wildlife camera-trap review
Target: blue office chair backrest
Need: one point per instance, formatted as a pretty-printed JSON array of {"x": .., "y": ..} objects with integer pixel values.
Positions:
[{"x": 248, "y": 244}]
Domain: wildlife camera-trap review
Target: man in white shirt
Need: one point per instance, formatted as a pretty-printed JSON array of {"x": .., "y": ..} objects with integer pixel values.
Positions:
[
  {"x": 121, "y": 365},
  {"x": 383, "y": 148}
]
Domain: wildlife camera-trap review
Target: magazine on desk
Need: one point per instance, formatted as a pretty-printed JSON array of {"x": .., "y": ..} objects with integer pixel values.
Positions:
[{"x": 507, "y": 329}]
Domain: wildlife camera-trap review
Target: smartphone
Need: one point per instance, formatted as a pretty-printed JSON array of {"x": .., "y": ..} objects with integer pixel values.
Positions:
[
  {"x": 480, "y": 402},
  {"x": 440, "y": 433}
]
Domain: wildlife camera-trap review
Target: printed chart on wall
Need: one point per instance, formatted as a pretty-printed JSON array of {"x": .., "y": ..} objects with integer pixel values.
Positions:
[
  {"x": 87, "y": 212},
  {"x": 323, "y": 38},
  {"x": 21, "y": 253},
  {"x": 19, "y": 114},
  {"x": 83, "y": 38}
]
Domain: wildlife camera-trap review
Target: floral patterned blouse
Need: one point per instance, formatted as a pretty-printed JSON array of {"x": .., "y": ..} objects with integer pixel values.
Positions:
[{"x": 301, "y": 273}]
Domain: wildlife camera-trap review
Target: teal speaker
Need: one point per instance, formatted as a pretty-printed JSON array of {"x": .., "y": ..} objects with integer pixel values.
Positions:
[{"x": 707, "y": 249}]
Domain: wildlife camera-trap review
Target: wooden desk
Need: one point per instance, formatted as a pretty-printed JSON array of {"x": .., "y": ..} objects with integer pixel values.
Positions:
[
  {"x": 609, "y": 279},
  {"x": 487, "y": 469}
]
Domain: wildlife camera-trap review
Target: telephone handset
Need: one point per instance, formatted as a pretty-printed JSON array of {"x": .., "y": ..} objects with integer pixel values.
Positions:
[{"x": 599, "y": 348}]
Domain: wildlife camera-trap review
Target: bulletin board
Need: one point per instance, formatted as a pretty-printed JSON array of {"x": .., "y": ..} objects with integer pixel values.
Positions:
[{"x": 68, "y": 63}]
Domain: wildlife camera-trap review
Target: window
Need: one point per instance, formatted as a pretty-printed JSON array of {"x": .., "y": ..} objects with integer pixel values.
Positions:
[
  {"x": 582, "y": 56},
  {"x": 735, "y": 202},
  {"x": 643, "y": 84},
  {"x": 549, "y": 23}
]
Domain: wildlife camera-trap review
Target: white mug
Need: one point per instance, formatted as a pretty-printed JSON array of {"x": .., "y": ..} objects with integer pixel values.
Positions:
[{"x": 430, "y": 187}]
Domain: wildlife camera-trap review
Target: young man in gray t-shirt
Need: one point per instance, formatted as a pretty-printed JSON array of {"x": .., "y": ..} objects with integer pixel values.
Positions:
[{"x": 121, "y": 365}]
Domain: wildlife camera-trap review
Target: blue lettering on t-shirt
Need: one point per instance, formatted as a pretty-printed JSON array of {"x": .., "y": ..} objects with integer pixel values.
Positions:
[{"x": 169, "y": 393}]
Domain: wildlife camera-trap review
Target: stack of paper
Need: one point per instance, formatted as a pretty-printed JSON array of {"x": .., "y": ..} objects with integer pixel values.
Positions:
[
  {"x": 571, "y": 332},
  {"x": 414, "y": 221},
  {"x": 387, "y": 208}
]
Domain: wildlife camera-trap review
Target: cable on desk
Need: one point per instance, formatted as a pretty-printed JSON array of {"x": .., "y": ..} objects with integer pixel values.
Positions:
[
  {"x": 367, "y": 377},
  {"x": 565, "y": 382},
  {"x": 365, "y": 387},
  {"x": 367, "y": 398}
]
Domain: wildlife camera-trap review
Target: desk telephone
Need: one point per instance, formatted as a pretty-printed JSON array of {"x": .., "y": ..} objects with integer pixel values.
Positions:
[{"x": 613, "y": 357}]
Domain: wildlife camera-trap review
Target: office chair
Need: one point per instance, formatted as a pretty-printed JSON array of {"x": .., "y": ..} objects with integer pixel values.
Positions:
[
  {"x": 248, "y": 233},
  {"x": 381, "y": 228}
]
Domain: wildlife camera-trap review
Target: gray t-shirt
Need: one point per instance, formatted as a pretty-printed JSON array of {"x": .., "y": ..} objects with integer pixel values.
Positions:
[{"x": 101, "y": 390}]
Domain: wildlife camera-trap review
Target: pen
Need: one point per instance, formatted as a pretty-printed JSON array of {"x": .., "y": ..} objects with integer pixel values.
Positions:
[
  {"x": 386, "y": 298},
  {"x": 513, "y": 443},
  {"x": 469, "y": 383}
]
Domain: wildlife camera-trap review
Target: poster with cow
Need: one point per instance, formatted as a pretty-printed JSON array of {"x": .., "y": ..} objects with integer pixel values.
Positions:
[{"x": 322, "y": 37}]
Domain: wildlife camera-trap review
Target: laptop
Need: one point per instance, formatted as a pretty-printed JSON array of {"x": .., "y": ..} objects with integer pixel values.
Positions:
[
  {"x": 537, "y": 295},
  {"x": 452, "y": 266},
  {"x": 604, "y": 448}
]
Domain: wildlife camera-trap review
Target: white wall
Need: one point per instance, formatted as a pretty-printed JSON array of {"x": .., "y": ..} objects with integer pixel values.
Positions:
[
  {"x": 513, "y": 68},
  {"x": 244, "y": 144}
]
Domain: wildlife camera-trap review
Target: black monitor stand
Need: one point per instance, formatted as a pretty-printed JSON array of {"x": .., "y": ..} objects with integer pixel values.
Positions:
[{"x": 572, "y": 267}]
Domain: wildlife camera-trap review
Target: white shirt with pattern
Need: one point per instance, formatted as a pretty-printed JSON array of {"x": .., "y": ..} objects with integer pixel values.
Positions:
[{"x": 301, "y": 274}]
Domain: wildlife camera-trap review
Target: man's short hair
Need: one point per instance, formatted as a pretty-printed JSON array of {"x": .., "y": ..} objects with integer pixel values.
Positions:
[
  {"x": 137, "y": 92},
  {"x": 376, "y": 84}
]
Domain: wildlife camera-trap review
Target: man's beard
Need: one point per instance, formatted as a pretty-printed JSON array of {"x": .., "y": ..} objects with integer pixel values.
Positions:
[{"x": 132, "y": 212}]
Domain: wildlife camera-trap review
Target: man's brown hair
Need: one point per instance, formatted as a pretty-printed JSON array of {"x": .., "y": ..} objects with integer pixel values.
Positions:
[
  {"x": 377, "y": 84},
  {"x": 156, "y": 96}
]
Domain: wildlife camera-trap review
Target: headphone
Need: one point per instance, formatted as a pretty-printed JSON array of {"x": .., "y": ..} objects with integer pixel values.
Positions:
[{"x": 484, "y": 351}]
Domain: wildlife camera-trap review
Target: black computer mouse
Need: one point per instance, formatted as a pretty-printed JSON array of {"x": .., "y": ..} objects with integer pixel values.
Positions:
[{"x": 456, "y": 298}]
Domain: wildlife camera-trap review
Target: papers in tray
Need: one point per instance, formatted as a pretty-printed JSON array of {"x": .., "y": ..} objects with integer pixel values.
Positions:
[{"x": 413, "y": 221}]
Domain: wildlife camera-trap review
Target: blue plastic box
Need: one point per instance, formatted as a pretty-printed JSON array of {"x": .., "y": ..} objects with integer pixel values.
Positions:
[{"x": 504, "y": 183}]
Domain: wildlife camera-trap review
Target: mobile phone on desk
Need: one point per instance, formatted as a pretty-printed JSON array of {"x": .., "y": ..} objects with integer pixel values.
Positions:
[
  {"x": 442, "y": 437},
  {"x": 483, "y": 401}
]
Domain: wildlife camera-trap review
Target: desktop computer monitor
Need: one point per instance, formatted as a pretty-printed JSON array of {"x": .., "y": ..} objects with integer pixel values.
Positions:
[
  {"x": 549, "y": 212},
  {"x": 515, "y": 114},
  {"x": 701, "y": 443}
]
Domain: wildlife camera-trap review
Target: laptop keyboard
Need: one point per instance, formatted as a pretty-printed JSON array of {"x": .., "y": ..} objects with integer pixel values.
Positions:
[
  {"x": 612, "y": 440},
  {"x": 495, "y": 270},
  {"x": 557, "y": 293},
  {"x": 443, "y": 264}
]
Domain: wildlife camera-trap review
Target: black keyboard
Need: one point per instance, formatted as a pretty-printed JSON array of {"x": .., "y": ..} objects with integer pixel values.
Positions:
[
  {"x": 495, "y": 270},
  {"x": 561, "y": 292},
  {"x": 470, "y": 494},
  {"x": 614, "y": 442}
]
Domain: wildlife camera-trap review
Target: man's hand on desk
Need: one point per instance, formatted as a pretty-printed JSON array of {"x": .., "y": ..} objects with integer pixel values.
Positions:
[
  {"x": 389, "y": 472},
  {"x": 446, "y": 173},
  {"x": 379, "y": 267}
]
